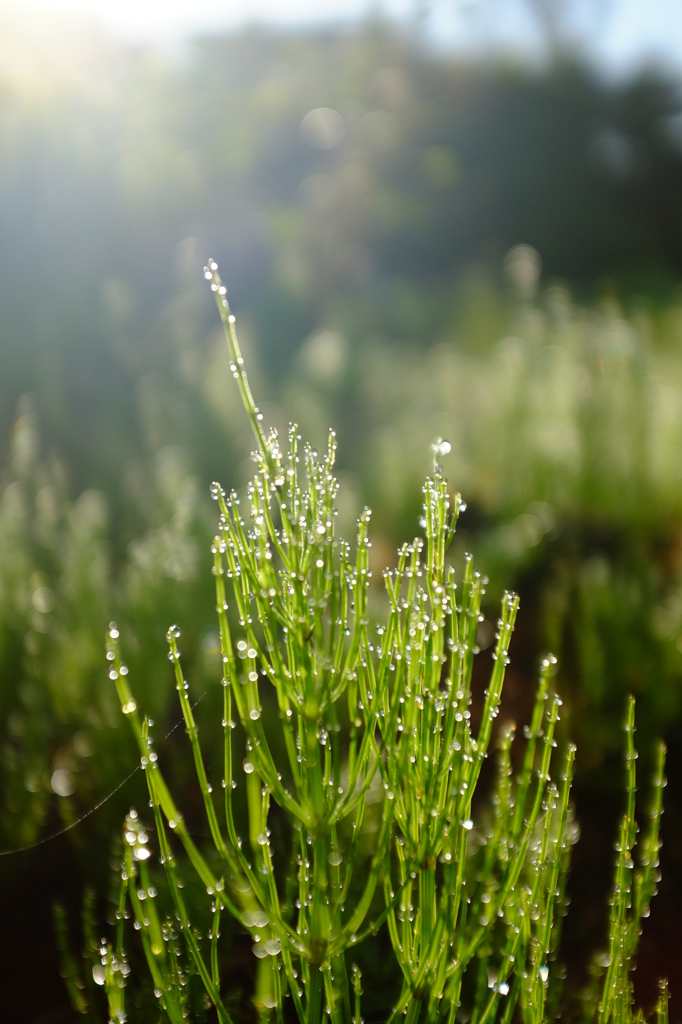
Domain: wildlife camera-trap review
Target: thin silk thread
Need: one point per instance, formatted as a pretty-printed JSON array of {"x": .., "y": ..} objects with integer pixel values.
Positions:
[{"x": 67, "y": 828}]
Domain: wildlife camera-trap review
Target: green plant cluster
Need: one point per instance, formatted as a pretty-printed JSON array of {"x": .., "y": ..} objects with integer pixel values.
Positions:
[
  {"x": 361, "y": 752},
  {"x": 564, "y": 437}
]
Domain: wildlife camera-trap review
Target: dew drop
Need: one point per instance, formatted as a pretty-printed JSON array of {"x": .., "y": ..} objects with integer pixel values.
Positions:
[{"x": 255, "y": 919}]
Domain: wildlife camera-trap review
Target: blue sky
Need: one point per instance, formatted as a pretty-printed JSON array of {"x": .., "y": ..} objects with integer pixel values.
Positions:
[{"x": 618, "y": 33}]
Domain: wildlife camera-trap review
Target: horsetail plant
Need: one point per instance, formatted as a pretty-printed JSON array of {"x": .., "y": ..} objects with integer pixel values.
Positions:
[
  {"x": 633, "y": 887},
  {"x": 373, "y": 756}
]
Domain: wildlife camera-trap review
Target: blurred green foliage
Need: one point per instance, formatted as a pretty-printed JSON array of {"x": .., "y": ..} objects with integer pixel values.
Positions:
[
  {"x": 120, "y": 170},
  {"x": 59, "y": 588},
  {"x": 565, "y": 439}
]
